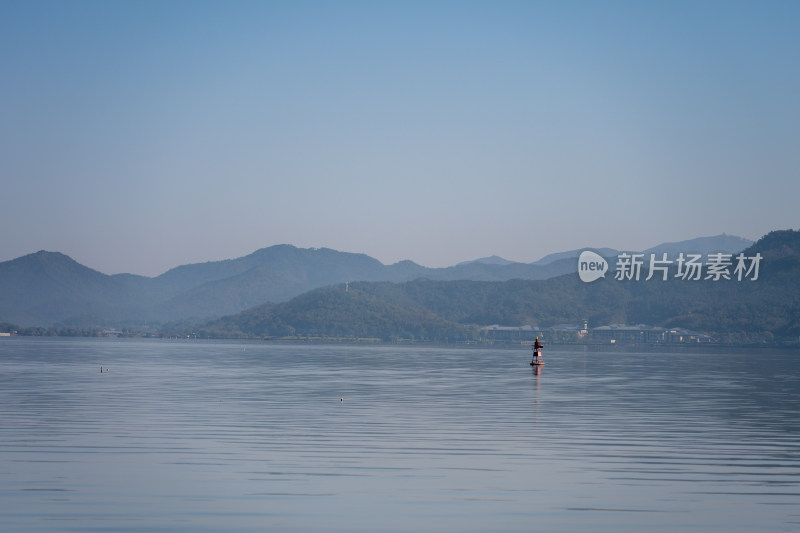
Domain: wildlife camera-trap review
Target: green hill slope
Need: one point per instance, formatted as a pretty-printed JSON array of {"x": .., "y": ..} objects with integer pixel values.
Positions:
[
  {"x": 432, "y": 310},
  {"x": 337, "y": 312}
]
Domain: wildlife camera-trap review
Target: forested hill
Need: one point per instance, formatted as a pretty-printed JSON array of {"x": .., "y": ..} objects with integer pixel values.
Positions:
[
  {"x": 337, "y": 312},
  {"x": 437, "y": 310},
  {"x": 51, "y": 289}
]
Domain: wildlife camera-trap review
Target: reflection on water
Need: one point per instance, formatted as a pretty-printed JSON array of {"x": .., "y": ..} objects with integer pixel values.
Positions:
[{"x": 198, "y": 436}]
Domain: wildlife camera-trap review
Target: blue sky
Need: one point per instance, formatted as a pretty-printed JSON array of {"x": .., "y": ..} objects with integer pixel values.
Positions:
[{"x": 138, "y": 136}]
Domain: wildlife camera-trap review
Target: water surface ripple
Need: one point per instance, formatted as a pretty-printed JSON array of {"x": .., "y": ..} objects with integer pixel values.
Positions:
[{"x": 212, "y": 436}]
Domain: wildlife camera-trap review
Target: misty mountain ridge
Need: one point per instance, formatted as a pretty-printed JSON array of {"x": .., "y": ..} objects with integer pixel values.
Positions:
[
  {"x": 491, "y": 260},
  {"x": 423, "y": 309},
  {"x": 50, "y": 288},
  {"x": 703, "y": 245},
  {"x": 723, "y": 243}
]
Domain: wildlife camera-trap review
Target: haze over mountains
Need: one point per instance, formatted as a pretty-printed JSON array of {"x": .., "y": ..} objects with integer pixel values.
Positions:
[
  {"x": 51, "y": 289},
  {"x": 758, "y": 308}
]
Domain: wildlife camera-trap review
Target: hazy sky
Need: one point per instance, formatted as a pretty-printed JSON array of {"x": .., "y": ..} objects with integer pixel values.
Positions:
[{"x": 138, "y": 136}]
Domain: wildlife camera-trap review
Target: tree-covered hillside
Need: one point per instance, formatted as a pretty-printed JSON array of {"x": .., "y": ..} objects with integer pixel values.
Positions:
[
  {"x": 435, "y": 310},
  {"x": 337, "y": 312},
  {"x": 51, "y": 289}
]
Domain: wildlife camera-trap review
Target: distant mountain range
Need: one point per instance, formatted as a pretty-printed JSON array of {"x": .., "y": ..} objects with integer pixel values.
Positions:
[
  {"x": 765, "y": 310},
  {"x": 51, "y": 289},
  {"x": 702, "y": 245},
  {"x": 491, "y": 260}
]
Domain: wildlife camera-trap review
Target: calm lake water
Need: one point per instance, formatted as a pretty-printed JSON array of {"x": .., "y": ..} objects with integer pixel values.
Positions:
[{"x": 204, "y": 436}]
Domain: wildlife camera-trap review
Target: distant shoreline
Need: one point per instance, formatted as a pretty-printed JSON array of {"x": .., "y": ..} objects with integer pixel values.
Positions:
[{"x": 338, "y": 341}]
